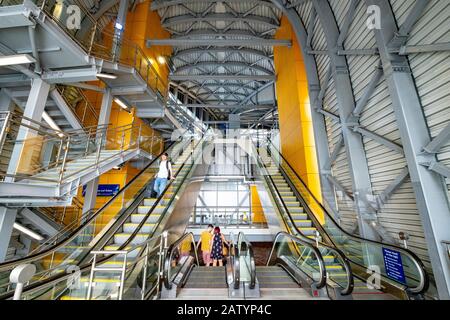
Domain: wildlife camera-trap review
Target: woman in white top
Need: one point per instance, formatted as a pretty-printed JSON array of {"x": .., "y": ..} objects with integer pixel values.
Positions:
[{"x": 163, "y": 175}]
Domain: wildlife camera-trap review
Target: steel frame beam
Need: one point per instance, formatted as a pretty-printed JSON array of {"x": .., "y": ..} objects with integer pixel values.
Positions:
[
  {"x": 224, "y": 77},
  {"x": 231, "y": 64},
  {"x": 228, "y": 50},
  {"x": 359, "y": 170},
  {"x": 161, "y": 4},
  {"x": 214, "y": 17},
  {"x": 429, "y": 187},
  {"x": 438, "y": 142},
  {"x": 175, "y": 42}
]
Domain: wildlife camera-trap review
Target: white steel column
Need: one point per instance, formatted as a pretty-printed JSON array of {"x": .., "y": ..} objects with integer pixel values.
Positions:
[
  {"x": 34, "y": 109},
  {"x": 7, "y": 219},
  {"x": 90, "y": 197}
]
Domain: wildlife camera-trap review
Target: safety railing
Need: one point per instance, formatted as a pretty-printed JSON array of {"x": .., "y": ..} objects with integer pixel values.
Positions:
[
  {"x": 51, "y": 283},
  {"x": 67, "y": 216},
  {"x": 225, "y": 216},
  {"x": 46, "y": 154},
  {"x": 97, "y": 42},
  {"x": 81, "y": 107},
  {"x": 362, "y": 253}
]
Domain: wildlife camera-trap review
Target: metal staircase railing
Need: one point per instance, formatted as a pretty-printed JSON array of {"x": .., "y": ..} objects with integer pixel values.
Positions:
[
  {"x": 83, "y": 110},
  {"x": 52, "y": 156}
]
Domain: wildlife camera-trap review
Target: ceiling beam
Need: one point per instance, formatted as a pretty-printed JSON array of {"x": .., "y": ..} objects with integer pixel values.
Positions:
[
  {"x": 176, "y": 42},
  {"x": 219, "y": 106},
  {"x": 161, "y": 4},
  {"x": 231, "y": 64},
  {"x": 227, "y": 50},
  {"x": 224, "y": 77},
  {"x": 214, "y": 17}
]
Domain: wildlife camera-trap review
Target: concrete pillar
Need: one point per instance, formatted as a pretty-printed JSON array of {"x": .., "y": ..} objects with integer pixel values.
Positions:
[
  {"x": 7, "y": 219},
  {"x": 34, "y": 109}
]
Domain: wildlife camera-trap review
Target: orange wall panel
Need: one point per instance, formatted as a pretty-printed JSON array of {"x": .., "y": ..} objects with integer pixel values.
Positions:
[{"x": 296, "y": 128}]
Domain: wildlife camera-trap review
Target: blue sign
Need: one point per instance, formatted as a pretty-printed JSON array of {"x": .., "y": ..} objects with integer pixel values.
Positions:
[
  {"x": 105, "y": 190},
  {"x": 393, "y": 265}
]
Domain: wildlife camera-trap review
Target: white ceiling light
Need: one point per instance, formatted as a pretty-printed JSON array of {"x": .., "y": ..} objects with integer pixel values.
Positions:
[
  {"x": 28, "y": 232},
  {"x": 121, "y": 104},
  {"x": 52, "y": 123},
  {"x": 106, "y": 75},
  {"x": 161, "y": 60},
  {"x": 16, "y": 59}
]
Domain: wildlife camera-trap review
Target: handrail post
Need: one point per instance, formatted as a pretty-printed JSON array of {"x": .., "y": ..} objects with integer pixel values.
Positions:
[
  {"x": 63, "y": 165},
  {"x": 122, "y": 141},
  {"x": 144, "y": 276},
  {"x": 139, "y": 136},
  {"x": 91, "y": 42}
]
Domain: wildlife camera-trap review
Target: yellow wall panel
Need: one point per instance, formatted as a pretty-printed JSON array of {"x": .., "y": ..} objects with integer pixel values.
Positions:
[{"x": 296, "y": 128}]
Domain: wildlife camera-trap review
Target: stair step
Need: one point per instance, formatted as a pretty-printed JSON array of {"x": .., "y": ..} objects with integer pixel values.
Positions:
[
  {"x": 120, "y": 238},
  {"x": 131, "y": 227},
  {"x": 137, "y": 218}
]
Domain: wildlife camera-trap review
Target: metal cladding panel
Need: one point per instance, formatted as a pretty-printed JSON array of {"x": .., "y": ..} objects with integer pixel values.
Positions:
[
  {"x": 359, "y": 36},
  {"x": 399, "y": 212},
  {"x": 318, "y": 41},
  {"x": 304, "y": 11},
  {"x": 340, "y": 8},
  {"x": 431, "y": 70}
]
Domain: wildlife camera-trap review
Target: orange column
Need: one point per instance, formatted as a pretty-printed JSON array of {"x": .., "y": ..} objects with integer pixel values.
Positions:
[{"x": 257, "y": 210}]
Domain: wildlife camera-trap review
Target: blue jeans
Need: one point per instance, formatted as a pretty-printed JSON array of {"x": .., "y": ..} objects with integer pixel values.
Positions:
[{"x": 160, "y": 185}]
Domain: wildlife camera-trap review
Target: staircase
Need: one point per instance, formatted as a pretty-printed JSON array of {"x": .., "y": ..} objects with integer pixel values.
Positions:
[
  {"x": 107, "y": 282},
  {"x": 56, "y": 107}
]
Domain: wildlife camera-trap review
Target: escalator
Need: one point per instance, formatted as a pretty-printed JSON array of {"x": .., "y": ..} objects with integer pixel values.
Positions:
[
  {"x": 289, "y": 275},
  {"x": 112, "y": 254},
  {"x": 299, "y": 209}
]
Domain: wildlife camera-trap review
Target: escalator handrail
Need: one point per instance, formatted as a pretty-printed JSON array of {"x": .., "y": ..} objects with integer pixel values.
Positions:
[
  {"x": 424, "y": 278},
  {"x": 158, "y": 200},
  {"x": 58, "y": 278},
  {"x": 252, "y": 266},
  {"x": 9, "y": 264},
  {"x": 169, "y": 256},
  {"x": 321, "y": 263},
  {"x": 348, "y": 270}
]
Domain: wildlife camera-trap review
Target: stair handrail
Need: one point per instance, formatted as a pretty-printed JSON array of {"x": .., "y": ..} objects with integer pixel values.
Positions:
[
  {"x": 424, "y": 278},
  {"x": 344, "y": 260}
]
